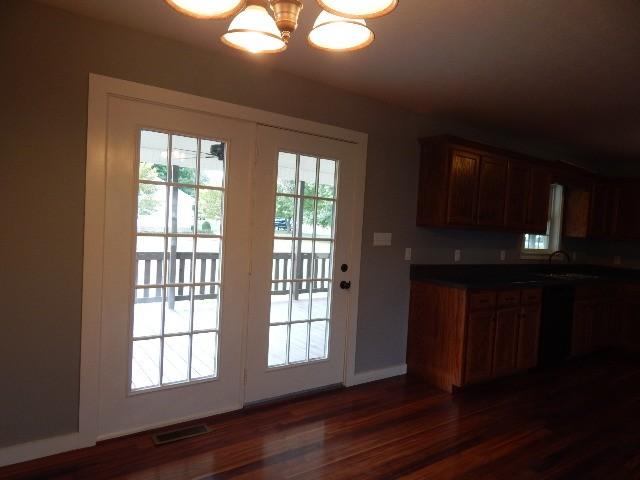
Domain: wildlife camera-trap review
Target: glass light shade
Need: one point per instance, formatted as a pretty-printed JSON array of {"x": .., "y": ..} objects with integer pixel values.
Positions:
[
  {"x": 254, "y": 30},
  {"x": 331, "y": 32},
  {"x": 207, "y": 9},
  {"x": 359, "y": 8}
]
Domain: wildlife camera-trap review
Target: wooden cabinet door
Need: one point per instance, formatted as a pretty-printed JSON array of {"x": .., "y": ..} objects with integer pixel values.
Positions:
[
  {"x": 492, "y": 190},
  {"x": 576, "y": 212},
  {"x": 538, "y": 205},
  {"x": 600, "y": 220},
  {"x": 518, "y": 186},
  {"x": 506, "y": 342},
  {"x": 626, "y": 198},
  {"x": 463, "y": 188},
  {"x": 528, "y": 337},
  {"x": 584, "y": 312},
  {"x": 479, "y": 346}
]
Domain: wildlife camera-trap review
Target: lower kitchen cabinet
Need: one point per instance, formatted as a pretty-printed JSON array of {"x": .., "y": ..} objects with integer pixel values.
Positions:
[
  {"x": 528, "y": 337},
  {"x": 460, "y": 336},
  {"x": 505, "y": 345}
]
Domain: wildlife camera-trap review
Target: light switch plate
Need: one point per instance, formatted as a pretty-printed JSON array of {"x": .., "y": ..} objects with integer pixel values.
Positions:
[
  {"x": 456, "y": 255},
  {"x": 407, "y": 254},
  {"x": 617, "y": 260},
  {"x": 503, "y": 255},
  {"x": 381, "y": 239}
]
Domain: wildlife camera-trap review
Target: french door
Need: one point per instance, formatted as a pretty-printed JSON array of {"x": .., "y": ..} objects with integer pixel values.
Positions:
[
  {"x": 301, "y": 255},
  {"x": 176, "y": 265},
  {"x": 228, "y": 249}
]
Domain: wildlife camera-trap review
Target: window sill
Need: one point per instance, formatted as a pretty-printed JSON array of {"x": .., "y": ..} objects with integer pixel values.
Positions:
[{"x": 533, "y": 255}]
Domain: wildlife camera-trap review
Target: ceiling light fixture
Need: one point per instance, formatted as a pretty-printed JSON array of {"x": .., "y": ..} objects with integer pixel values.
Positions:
[
  {"x": 340, "y": 34},
  {"x": 266, "y": 26},
  {"x": 359, "y": 8},
  {"x": 207, "y": 9}
]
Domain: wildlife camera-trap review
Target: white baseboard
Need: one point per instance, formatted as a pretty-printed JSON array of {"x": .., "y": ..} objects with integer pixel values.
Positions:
[
  {"x": 373, "y": 375},
  {"x": 24, "y": 452}
]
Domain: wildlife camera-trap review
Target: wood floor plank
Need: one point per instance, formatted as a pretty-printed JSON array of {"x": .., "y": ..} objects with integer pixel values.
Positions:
[{"x": 578, "y": 421}]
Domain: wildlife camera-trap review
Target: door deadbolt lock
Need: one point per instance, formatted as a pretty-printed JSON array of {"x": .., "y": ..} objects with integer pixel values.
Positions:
[{"x": 344, "y": 285}]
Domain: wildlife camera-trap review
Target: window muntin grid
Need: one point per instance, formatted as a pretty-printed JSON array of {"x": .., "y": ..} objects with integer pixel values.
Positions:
[
  {"x": 178, "y": 258},
  {"x": 302, "y": 268}
]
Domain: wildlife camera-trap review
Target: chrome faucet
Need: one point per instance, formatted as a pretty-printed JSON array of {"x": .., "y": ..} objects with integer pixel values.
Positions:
[{"x": 560, "y": 252}]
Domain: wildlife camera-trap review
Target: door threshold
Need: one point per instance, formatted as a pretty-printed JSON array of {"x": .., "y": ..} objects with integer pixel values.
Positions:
[{"x": 293, "y": 396}]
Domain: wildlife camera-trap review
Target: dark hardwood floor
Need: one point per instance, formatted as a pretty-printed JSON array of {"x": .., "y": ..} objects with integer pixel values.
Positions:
[{"x": 580, "y": 421}]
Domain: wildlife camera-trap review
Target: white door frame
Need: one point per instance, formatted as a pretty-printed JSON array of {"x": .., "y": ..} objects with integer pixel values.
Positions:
[{"x": 100, "y": 89}]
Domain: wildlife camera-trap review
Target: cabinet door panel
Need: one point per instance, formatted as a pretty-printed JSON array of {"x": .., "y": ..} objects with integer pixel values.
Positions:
[
  {"x": 518, "y": 185},
  {"x": 528, "y": 337},
  {"x": 463, "y": 188},
  {"x": 600, "y": 221},
  {"x": 506, "y": 342},
  {"x": 538, "y": 206},
  {"x": 584, "y": 312},
  {"x": 479, "y": 352},
  {"x": 492, "y": 190}
]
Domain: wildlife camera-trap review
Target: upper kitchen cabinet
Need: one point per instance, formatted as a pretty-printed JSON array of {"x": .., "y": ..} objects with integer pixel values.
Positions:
[
  {"x": 601, "y": 215},
  {"x": 463, "y": 188},
  {"x": 492, "y": 188},
  {"x": 467, "y": 185}
]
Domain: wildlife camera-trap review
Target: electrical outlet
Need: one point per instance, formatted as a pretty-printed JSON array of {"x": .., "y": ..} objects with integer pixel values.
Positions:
[
  {"x": 574, "y": 256},
  {"x": 407, "y": 254},
  {"x": 456, "y": 256},
  {"x": 503, "y": 255}
]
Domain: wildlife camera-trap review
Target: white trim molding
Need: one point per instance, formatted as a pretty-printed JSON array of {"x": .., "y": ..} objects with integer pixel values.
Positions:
[
  {"x": 381, "y": 374},
  {"x": 24, "y": 452}
]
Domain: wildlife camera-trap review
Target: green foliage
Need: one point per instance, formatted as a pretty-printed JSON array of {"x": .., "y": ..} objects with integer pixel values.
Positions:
[
  {"x": 285, "y": 207},
  {"x": 147, "y": 204},
  {"x": 210, "y": 204}
]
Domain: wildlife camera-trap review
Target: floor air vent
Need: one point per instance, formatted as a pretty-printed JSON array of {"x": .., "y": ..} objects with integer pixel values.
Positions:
[{"x": 180, "y": 434}]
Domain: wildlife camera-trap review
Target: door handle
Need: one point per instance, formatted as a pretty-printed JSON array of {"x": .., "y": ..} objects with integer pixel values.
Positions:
[{"x": 345, "y": 285}]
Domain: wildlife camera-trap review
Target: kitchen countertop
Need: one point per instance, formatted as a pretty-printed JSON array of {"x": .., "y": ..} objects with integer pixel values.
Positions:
[{"x": 520, "y": 275}]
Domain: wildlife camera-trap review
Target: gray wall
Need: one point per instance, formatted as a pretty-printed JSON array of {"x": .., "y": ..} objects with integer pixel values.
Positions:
[{"x": 47, "y": 55}]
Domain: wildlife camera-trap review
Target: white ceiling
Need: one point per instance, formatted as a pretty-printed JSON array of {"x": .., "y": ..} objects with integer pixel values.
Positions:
[{"x": 560, "y": 70}]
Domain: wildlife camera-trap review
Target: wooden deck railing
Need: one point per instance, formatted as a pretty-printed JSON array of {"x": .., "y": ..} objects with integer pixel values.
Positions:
[{"x": 206, "y": 265}]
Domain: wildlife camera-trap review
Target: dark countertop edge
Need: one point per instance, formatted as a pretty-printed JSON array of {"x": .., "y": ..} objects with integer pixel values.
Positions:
[{"x": 448, "y": 279}]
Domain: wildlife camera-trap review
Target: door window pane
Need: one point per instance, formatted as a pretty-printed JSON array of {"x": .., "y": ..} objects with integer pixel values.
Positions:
[
  {"x": 182, "y": 205},
  {"x": 210, "y": 212},
  {"x": 204, "y": 355},
  {"x": 318, "y": 340},
  {"x": 184, "y": 154},
  {"x": 147, "y": 312},
  {"x": 177, "y": 312},
  {"x": 277, "y": 345},
  {"x": 178, "y": 259},
  {"x": 280, "y": 301},
  {"x": 152, "y": 208},
  {"x": 300, "y": 301},
  {"x": 286, "y": 182},
  {"x": 175, "y": 361},
  {"x": 153, "y": 156},
  {"x": 145, "y": 363},
  {"x": 205, "y": 308},
  {"x": 298, "y": 339},
  {"x": 212, "y": 155},
  {"x": 307, "y": 182},
  {"x": 284, "y": 221},
  {"x": 324, "y": 219},
  {"x": 327, "y": 179}
]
